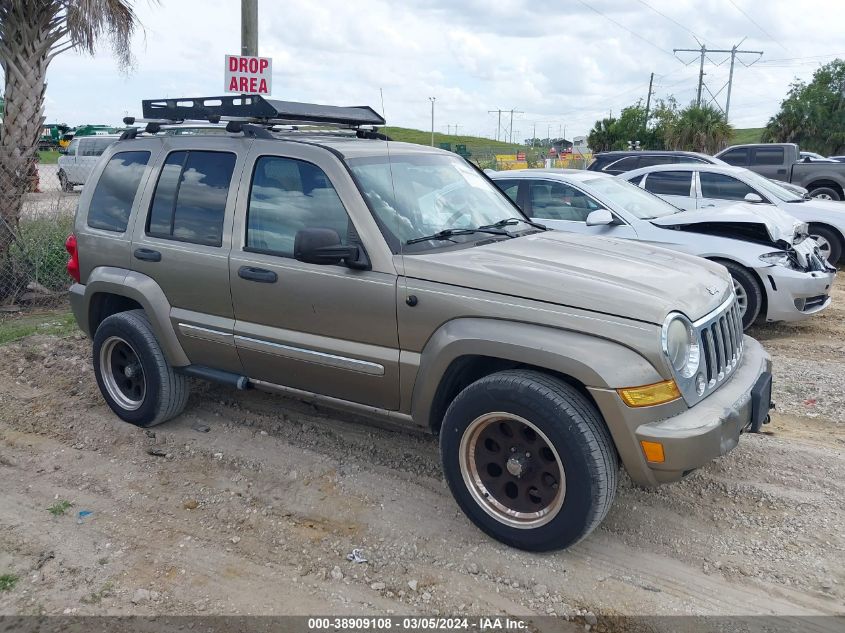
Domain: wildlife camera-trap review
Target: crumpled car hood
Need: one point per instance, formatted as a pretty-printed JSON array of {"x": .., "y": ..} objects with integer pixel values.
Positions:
[
  {"x": 783, "y": 230},
  {"x": 611, "y": 276}
]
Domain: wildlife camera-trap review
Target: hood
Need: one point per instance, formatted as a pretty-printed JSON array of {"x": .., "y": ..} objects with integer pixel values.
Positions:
[
  {"x": 741, "y": 221},
  {"x": 822, "y": 210},
  {"x": 619, "y": 277}
]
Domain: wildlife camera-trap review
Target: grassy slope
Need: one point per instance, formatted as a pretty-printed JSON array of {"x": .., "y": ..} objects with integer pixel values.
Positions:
[
  {"x": 48, "y": 157},
  {"x": 475, "y": 144},
  {"x": 478, "y": 145},
  {"x": 747, "y": 135}
]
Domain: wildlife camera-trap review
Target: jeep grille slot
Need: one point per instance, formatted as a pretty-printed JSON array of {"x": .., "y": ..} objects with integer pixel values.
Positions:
[{"x": 721, "y": 341}]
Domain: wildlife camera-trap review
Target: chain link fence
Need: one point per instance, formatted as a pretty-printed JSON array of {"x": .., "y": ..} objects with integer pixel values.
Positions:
[{"x": 32, "y": 267}]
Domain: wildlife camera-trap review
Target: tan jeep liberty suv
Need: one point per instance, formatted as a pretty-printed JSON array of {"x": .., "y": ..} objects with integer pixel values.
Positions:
[{"x": 290, "y": 247}]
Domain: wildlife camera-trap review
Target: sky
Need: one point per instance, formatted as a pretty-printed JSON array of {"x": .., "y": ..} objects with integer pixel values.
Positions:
[{"x": 560, "y": 64}]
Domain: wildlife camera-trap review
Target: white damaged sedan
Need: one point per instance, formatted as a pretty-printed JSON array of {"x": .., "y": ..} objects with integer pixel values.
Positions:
[
  {"x": 691, "y": 186},
  {"x": 778, "y": 272}
]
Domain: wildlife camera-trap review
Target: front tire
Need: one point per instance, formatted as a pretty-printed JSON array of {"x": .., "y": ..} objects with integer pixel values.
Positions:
[
  {"x": 749, "y": 295},
  {"x": 529, "y": 459},
  {"x": 132, "y": 373},
  {"x": 66, "y": 186},
  {"x": 829, "y": 242}
]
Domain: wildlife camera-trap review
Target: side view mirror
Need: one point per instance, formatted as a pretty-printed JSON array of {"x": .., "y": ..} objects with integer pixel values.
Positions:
[
  {"x": 322, "y": 246},
  {"x": 62, "y": 150},
  {"x": 753, "y": 198},
  {"x": 600, "y": 217}
]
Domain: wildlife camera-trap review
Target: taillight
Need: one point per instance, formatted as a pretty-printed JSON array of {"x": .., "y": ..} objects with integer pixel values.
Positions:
[{"x": 73, "y": 262}]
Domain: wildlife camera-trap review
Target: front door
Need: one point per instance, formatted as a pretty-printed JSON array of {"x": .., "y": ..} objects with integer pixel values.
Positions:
[
  {"x": 182, "y": 240},
  {"x": 719, "y": 190},
  {"x": 326, "y": 329},
  {"x": 562, "y": 206}
]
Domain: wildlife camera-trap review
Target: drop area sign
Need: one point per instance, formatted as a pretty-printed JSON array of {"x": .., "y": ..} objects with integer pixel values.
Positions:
[{"x": 249, "y": 75}]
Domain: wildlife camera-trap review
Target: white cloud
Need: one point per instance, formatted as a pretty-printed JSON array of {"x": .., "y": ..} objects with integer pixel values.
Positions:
[{"x": 560, "y": 62}]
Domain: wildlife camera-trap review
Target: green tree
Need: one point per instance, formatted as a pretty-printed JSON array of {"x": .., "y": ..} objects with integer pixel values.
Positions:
[
  {"x": 700, "y": 129},
  {"x": 32, "y": 34},
  {"x": 603, "y": 136},
  {"x": 813, "y": 114}
]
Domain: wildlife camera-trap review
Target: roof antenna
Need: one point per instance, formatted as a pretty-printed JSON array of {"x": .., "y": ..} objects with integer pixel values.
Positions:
[{"x": 408, "y": 299}]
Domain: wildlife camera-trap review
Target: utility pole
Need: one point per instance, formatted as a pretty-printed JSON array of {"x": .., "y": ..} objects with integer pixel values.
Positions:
[
  {"x": 511, "y": 125},
  {"x": 648, "y": 100},
  {"x": 432, "y": 99},
  {"x": 734, "y": 52},
  {"x": 499, "y": 123},
  {"x": 249, "y": 28}
]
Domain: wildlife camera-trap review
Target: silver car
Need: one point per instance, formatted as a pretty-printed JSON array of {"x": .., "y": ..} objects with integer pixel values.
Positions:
[
  {"x": 80, "y": 158},
  {"x": 704, "y": 186},
  {"x": 778, "y": 274}
]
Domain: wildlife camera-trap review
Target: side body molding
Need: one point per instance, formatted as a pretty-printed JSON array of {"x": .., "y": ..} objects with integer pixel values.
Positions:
[
  {"x": 593, "y": 361},
  {"x": 136, "y": 286}
]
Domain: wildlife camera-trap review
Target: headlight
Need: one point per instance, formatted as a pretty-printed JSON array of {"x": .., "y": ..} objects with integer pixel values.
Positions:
[
  {"x": 778, "y": 258},
  {"x": 680, "y": 345}
]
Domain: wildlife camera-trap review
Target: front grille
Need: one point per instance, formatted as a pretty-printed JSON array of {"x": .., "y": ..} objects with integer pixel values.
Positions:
[{"x": 720, "y": 334}]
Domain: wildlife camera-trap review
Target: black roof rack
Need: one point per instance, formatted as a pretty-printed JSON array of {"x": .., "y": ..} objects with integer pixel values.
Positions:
[{"x": 257, "y": 109}]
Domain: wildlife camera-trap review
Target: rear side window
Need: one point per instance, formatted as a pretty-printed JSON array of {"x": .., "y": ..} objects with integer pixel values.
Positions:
[
  {"x": 288, "y": 195},
  {"x": 737, "y": 157},
  {"x": 626, "y": 164},
  {"x": 111, "y": 203},
  {"x": 669, "y": 183},
  {"x": 657, "y": 159},
  {"x": 768, "y": 156},
  {"x": 723, "y": 187},
  {"x": 190, "y": 197}
]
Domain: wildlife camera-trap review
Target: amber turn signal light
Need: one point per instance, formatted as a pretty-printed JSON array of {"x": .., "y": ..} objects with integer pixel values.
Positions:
[{"x": 650, "y": 395}]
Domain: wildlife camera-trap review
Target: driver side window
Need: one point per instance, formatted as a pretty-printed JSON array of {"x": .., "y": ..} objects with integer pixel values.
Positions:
[
  {"x": 288, "y": 195},
  {"x": 558, "y": 201}
]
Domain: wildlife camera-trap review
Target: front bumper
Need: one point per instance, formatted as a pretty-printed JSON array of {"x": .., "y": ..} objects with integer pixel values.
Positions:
[
  {"x": 793, "y": 295},
  {"x": 691, "y": 437}
]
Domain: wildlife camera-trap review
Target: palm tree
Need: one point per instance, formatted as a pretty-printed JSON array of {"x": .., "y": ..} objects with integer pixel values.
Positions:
[
  {"x": 32, "y": 34},
  {"x": 602, "y": 136},
  {"x": 700, "y": 129}
]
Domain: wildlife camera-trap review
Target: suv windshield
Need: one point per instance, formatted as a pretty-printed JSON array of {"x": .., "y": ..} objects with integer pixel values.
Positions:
[
  {"x": 416, "y": 195},
  {"x": 621, "y": 194}
]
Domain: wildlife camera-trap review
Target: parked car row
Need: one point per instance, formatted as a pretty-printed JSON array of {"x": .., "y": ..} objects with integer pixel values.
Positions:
[{"x": 398, "y": 282}]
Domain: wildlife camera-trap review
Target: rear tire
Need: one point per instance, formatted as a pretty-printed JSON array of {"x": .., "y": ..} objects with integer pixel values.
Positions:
[
  {"x": 529, "y": 459},
  {"x": 830, "y": 244},
  {"x": 132, "y": 373},
  {"x": 825, "y": 193},
  {"x": 749, "y": 294}
]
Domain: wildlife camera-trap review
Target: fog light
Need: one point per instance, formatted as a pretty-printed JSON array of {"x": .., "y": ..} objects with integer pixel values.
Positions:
[
  {"x": 650, "y": 395},
  {"x": 653, "y": 451},
  {"x": 800, "y": 303},
  {"x": 700, "y": 384}
]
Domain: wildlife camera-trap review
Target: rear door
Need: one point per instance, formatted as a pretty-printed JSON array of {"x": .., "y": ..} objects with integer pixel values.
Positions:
[
  {"x": 563, "y": 206},
  {"x": 327, "y": 329},
  {"x": 182, "y": 240},
  {"x": 769, "y": 161},
  {"x": 676, "y": 187}
]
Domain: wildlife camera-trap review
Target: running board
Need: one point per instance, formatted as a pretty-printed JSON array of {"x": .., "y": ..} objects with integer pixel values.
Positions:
[{"x": 216, "y": 375}]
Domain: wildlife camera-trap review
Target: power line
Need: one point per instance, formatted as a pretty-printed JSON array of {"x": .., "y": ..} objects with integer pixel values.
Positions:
[
  {"x": 674, "y": 21},
  {"x": 625, "y": 28},
  {"x": 764, "y": 31}
]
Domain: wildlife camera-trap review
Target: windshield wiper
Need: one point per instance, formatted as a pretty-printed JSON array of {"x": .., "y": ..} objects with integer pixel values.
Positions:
[
  {"x": 512, "y": 221},
  {"x": 447, "y": 234}
]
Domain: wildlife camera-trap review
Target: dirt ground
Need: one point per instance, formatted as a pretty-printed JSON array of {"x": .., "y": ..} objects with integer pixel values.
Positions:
[{"x": 249, "y": 504}]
